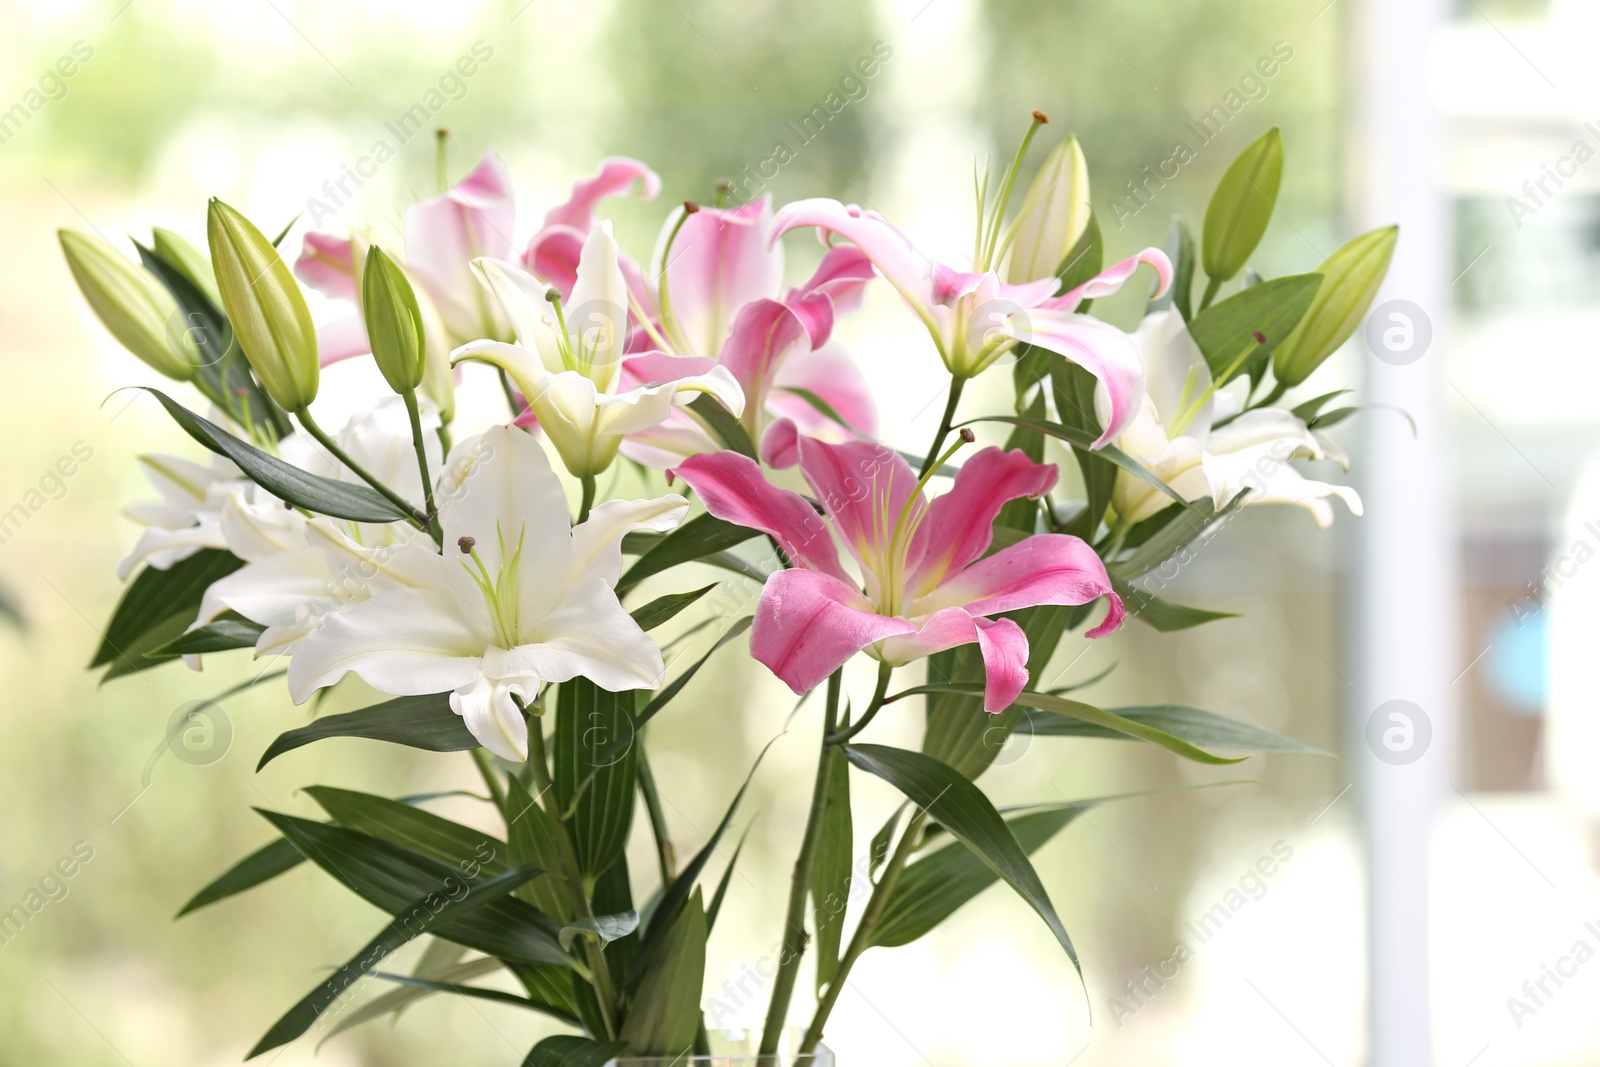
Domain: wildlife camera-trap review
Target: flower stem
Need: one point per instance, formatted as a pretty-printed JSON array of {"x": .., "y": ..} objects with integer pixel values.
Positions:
[
  {"x": 666, "y": 855},
  {"x": 415, "y": 415},
  {"x": 1212, "y": 285},
  {"x": 956, "y": 385},
  {"x": 491, "y": 779},
  {"x": 588, "y": 499},
  {"x": 839, "y": 738},
  {"x": 794, "y": 925},
  {"x": 863, "y": 935},
  {"x": 418, "y": 518}
]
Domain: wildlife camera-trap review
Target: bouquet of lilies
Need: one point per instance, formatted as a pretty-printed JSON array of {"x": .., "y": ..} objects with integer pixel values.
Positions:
[{"x": 485, "y": 584}]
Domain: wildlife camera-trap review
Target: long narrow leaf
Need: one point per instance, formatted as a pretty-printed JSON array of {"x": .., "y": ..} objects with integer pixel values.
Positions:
[
  {"x": 262, "y": 865},
  {"x": 424, "y": 722}
]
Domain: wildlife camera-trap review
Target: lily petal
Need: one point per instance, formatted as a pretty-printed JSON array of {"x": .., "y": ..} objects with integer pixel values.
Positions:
[
  {"x": 1042, "y": 569},
  {"x": 960, "y": 523},
  {"x": 842, "y": 275},
  {"x": 1002, "y": 642},
  {"x": 1097, "y": 347},
  {"x": 597, "y": 541},
  {"x": 765, "y": 333},
  {"x": 887, "y": 248},
  {"x": 326, "y": 263},
  {"x": 1113, "y": 278},
  {"x": 831, "y": 375},
  {"x": 445, "y": 234},
  {"x": 808, "y": 624},
  {"x": 721, "y": 260},
  {"x": 733, "y": 489},
  {"x": 865, "y": 487}
]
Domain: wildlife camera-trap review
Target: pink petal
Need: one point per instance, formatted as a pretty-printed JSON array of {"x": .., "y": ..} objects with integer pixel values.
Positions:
[
  {"x": 653, "y": 368},
  {"x": 864, "y": 486},
  {"x": 832, "y": 375},
  {"x": 764, "y": 333},
  {"x": 552, "y": 256},
  {"x": 1115, "y": 613},
  {"x": 843, "y": 275},
  {"x": 342, "y": 339},
  {"x": 1002, "y": 642},
  {"x": 1112, "y": 278},
  {"x": 950, "y": 285},
  {"x": 1042, "y": 569},
  {"x": 615, "y": 177},
  {"x": 720, "y": 261},
  {"x": 443, "y": 235},
  {"x": 960, "y": 524},
  {"x": 808, "y": 625},
  {"x": 815, "y": 310},
  {"x": 780, "y": 445},
  {"x": 326, "y": 265},
  {"x": 733, "y": 488},
  {"x": 1099, "y": 348},
  {"x": 889, "y": 250}
]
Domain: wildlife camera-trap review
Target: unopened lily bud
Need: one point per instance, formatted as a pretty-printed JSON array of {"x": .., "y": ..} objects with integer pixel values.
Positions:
[
  {"x": 131, "y": 303},
  {"x": 394, "y": 322},
  {"x": 268, "y": 312},
  {"x": 192, "y": 263},
  {"x": 1057, "y": 212}
]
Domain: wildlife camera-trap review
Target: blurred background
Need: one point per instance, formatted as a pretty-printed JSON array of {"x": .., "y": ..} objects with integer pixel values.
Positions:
[{"x": 1437, "y": 906}]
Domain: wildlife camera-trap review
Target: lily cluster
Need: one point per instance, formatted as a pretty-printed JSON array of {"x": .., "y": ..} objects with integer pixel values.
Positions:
[{"x": 479, "y": 577}]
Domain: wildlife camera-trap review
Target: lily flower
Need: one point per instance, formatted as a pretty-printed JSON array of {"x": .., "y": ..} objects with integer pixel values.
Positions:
[
  {"x": 474, "y": 218},
  {"x": 567, "y": 361},
  {"x": 974, "y": 318},
  {"x": 926, "y": 584},
  {"x": 187, "y": 518},
  {"x": 1192, "y": 437},
  {"x": 719, "y": 301},
  {"x": 520, "y": 598}
]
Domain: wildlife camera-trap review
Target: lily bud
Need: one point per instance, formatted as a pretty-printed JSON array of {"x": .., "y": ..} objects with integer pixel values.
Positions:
[
  {"x": 1057, "y": 212},
  {"x": 1350, "y": 281},
  {"x": 269, "y": 314},
  {"x": 131, "y": 304},
  {"x": 394, "y": 322},
  {"x": 192, "y": 263}
]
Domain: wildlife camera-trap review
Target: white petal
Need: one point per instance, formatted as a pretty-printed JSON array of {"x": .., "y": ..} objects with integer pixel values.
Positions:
[
  {"x": 499, "y": 484},
  {"x": 589, "y": 635},
  {"x": 597, "y": 542},
  {"x": 597, "y": 313},
  {"x": 271, "y": 591},
  {"x": 533, "y": 320},
  {"x": 491, "y": 716}
]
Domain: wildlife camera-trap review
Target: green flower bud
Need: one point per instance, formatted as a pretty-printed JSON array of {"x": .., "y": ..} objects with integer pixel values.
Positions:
[
  {"x": 1241, "y": 207},
  {"x": 192, "y": 263},
  {"x": 394, "y": 322},
  {"x": 1056, "y": 211},
  {"x": 132, "y": 304},
  {"x": 1350, "y": 280},
  {"x": 264, "y": 303}
]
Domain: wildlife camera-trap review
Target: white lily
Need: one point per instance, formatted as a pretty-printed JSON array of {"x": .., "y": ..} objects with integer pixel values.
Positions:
[
  {"x": 1176, "y": 436},
  {"x": 188, "y": 516},
  {"x": 519, "y": 598},
  {"x": 568, "y": 357},
  {"x": 297, "y": 570}
]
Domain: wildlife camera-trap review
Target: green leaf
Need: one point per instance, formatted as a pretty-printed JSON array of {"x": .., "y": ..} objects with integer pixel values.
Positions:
[
  {"x": 722, "y": 883},
  {"x": 325, "y": 496},
  {"x": 931, "y": 889},
  {"x": 568, "y": 1051},
  {"x": 963, "y": 809},
  {"x": 1308, "y": 411},
  {"x": 665, "y": 1016},
  {"x": 1242, "y": 206},
  {"x": 1074, "y": 390},
  {"x": 595, "y": 770},
  {"x": 1192, "y": 725},
  {"x": 424, "y": 722},
  {"x": 155, "y": 597},
  {"x": 411, "y": 827},
  {"x": 878, "y": 851},
  {"x": 532, "y": 837},
  {"x": 603, "y": 929},
  {"x": 1352, "y": 276},
  {"x": 220, "y": 636},
  {"x": 832, "y": 869},
  {"x": 1179, "y": 248},
  {"x": 1183, "y": 526},
  {"x": 699, "y": 537},
  {"x": 664, "y": 608},
  {"x": 1083, "y": 439},
  {"x": 395, "y": 1001},
  {"x": 1085, "y": 259},
  {"x": 425, "y": 986},
  {"x": 262, "y": 865},
  {"x": 673, "y": 688},
  {"x": 1273, "y": 309},
  {"x": 421, "y": 916},
  {"x": 722, "y": 424},
  {"x": 1163, "y": 615},
  {"x": 392, "y": 878},
  {"x": 1331, "y": 418}
]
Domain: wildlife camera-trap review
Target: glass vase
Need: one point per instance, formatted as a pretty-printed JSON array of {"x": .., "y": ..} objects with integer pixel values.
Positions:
[{"x": 739, "y": 1048}]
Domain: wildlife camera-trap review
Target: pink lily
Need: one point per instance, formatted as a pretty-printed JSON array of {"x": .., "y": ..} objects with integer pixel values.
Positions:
[
  {"x": 975, "y": 318},
  {"x": 926, "y": 583},
  {"x": 474, "y": 219},
  {"x": 718, "y": 302}
]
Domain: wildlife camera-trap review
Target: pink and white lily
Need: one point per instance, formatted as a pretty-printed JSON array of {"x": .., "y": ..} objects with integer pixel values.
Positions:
[
  {"x": 926, "y": 584},
  {"x": 974, "y": 318},
  {"x": 718, "y": 300}
]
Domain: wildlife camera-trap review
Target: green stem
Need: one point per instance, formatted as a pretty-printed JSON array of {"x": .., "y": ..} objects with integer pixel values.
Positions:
[
  {"x": 956, "y": 386},
  {"x": 511, "y": 393},
  {"x": 415, "y": 415},
  {"x": 588, "y": 498},
  {"x": 794, "y": 926},
  {"x": 1212, "y": 285},
  {"x": 839, "y": 738},
  {"x": 491, "y": 778},
  {"x": 417, "y": 518},
  {"x": 863, "y": 935}
]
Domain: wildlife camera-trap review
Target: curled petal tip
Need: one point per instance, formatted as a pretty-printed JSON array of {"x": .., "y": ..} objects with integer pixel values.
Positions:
[{"x": 1114, "y": 616}]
